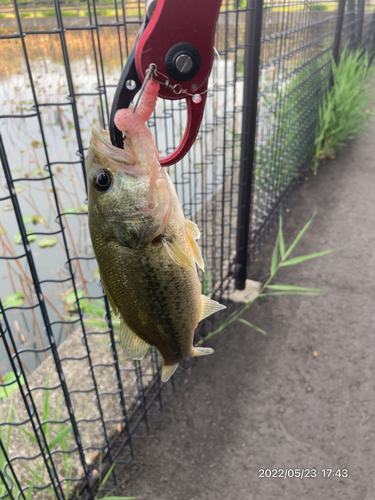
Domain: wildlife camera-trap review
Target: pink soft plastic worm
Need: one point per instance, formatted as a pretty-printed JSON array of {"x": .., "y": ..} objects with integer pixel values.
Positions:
[
  {"x": 133, "y": 122},
  {"x": 148, "y": 101}
]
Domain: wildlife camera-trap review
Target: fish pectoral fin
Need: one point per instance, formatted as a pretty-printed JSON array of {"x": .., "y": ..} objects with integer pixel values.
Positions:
[
  {"x": 177, "y": 253},
  {"x": 111, "y": 301},
  {"x": 167, "y": 371},
  {"x": 209, "y": 307},
  {"x": 203, "y": 351},
  {"x": 134, "y": 347},
  {"x": 193, "y": 234},
  {"x": 193, "y": 229}
]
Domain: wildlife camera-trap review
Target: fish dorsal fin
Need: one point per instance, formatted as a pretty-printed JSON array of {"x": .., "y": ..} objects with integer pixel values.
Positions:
[
  {"x": 209, "y": 307},
  {"x": 177, "y": 253},
  {"x": 167, "y": 371},
  {"x": 193, "y": 234},
  {"x": 134, "y": 347},
  {"x": 111, "y": 301}
]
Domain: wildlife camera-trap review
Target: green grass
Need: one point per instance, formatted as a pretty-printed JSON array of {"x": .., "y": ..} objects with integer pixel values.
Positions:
[
  {"x": 58, "y": 436},
  {"x": 46, "y": 13},
  {"x": 280, "y": 258},
  {"x": 290, "y": 140},
  {"x": 69, "y": 13},
  {"x": 319, "y": 6},
  {"x": 346, "y": 109}
]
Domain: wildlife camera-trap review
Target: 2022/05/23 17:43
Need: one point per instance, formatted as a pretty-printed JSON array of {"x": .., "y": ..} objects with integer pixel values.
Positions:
[{"x": 302, "y": 473}]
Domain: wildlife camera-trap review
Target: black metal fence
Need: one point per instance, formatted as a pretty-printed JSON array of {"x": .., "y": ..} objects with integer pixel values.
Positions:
[{"x": 70, "y": 406}]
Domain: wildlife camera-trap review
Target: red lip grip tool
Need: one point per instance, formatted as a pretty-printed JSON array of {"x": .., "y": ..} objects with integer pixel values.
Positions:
[{"x": 175, "y": 43}]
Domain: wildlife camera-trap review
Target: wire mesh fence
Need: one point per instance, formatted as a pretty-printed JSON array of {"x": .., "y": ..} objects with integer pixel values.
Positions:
[
  {"x": 71, "y": 406},
  {"x": 298, "y": 41},
  {"x": 297, "y": 44}
]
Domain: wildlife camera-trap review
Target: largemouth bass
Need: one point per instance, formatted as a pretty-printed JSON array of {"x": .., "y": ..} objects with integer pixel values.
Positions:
[{"x": 146, "y": 250}]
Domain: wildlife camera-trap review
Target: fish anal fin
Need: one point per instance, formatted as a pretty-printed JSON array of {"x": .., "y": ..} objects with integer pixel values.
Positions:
[
  {"x": 209, "y": 307},
  {"x": 167, "y": 371},
  {"x": 111, "y": 301},
  {"x": 203, "y": 351},
  {"x": 134, "y": 347},
  {"x": 177, "y": 253},
  {"x": 193, "y": 234}
]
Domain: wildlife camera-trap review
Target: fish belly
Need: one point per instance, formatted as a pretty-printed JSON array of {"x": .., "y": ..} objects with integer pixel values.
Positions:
[{"x": 157, "y": 298}]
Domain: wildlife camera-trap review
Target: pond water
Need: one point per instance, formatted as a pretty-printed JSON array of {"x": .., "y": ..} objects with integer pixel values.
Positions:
[{"x": 197, "y": 178}]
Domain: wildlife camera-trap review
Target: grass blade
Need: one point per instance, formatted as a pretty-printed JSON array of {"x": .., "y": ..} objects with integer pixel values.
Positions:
[
  {"x": 31, "y": 488},
  {"x": 109, "y": 494},
  {"x": 102, "y": 483},
  {"x": 288, "y": 293},
  {"x": 294, "y": 288},
  {"x": 250, "y": 325},
  {"x": 274, "y": 257},
  {"x": 281, "y": 237},
  {"x": 69, "y": 475},
  {"x": 300, "y": 234},
  {"x": 303, "y": 258},
  {"x": 60, "y": 436},
  {"x": 120, "y": 498},
  {"x": 28, "y": 434},
  {"x": 46, "y": 409}
]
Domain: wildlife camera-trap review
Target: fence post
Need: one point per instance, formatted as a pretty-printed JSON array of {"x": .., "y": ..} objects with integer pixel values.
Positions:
[
  {"x": 351, "y": 19},
  {"x": 361, "y": 14},
  {"x": 339, "y": 23},
  {"x": 253, "y": 34}
]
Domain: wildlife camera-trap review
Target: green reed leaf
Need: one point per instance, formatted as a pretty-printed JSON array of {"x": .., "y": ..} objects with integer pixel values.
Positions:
[
  {"x": 60, "y": 436},
  {"x": 294, "y": 288},
  {"x": 281, "y": 237},
  {"x": 250, "y": 325},
  {"x": 299, "y": 236},
  {"x": 274, "y": 257},
  {"x": 303, "y": 258}
]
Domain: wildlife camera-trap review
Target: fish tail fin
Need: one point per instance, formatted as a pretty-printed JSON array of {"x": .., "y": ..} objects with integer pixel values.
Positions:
[
  {"x": 202, "y": 351},
  {"x": 167, "y": 371}
]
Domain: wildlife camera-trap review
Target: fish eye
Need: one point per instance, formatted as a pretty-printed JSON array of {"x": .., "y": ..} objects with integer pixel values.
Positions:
[{"x": 102, "y": 180}]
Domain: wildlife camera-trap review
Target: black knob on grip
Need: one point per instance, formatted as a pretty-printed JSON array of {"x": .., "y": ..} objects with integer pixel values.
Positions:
[{"x": 182, "y": 62}]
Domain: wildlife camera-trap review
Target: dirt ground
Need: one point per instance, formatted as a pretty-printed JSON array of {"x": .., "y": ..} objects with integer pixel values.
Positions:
[{"x": 265, "y": 402}]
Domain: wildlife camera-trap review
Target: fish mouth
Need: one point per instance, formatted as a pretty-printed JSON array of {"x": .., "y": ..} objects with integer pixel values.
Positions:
[{"x": 101, "y": 145}]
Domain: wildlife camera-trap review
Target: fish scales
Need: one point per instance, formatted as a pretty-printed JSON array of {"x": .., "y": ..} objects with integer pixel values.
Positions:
[
  {"x": 146, "y": 250},
  {"x": 153, "y": 290}
]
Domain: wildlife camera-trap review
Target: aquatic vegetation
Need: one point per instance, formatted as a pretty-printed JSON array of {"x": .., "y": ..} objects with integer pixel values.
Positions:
[
  {"x": 47, "y": 242},
  {"x": 14, "y": 299},
  {"x": 7, "y": 391}
]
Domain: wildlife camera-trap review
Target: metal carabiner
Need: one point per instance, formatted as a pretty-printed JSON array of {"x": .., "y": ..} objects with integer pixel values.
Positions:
[{"x": 177, "y": 38}]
